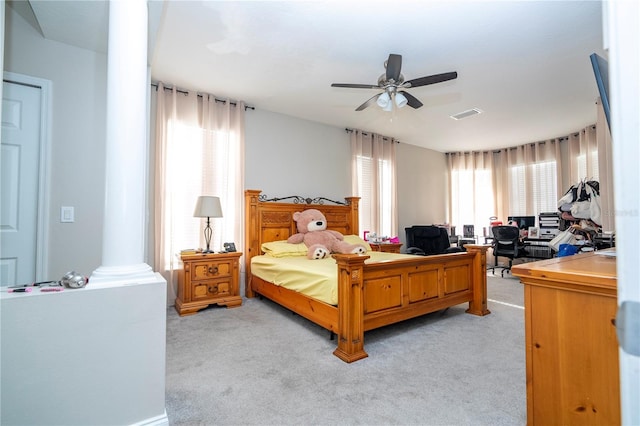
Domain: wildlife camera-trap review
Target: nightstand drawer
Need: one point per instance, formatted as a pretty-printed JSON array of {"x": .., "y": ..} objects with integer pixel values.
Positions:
[
  {"x": 209, "y": 270},
  {"x": 207, "y": 290}
]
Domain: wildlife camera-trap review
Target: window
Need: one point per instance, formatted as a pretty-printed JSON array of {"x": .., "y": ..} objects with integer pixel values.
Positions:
[
  {"x": 541, "y": 178},
  {"x": 471, "y": 198},
  {"x": 181, "y": 172},
  {"x": 188, "y": 178},
  {"x": 375, "y": 192},
  {"x": 199, "y": 145},
  {"x": 373, "y": 178}
]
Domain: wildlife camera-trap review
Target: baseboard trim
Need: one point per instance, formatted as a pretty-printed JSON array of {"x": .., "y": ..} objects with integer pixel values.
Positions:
[{"x": 161, "y": 420}]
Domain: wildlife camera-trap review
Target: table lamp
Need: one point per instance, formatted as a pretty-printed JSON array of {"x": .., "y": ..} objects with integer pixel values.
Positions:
[{"x": 208, "y": 207}]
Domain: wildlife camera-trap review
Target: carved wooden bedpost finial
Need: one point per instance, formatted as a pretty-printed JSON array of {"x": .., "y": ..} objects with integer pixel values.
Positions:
[{"x": 251, "y": 244}]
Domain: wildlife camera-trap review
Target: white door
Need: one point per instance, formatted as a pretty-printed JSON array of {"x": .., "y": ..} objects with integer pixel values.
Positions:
[
  {"x": 19, "y": 178},
  {"x": 623, "y": 35}
]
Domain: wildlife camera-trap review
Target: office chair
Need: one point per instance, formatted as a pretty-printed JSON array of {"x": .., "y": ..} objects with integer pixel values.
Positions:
[
  {"x": 468, "y": 231},
  {"x": 468, "y": 236},
  {"x": 425, "y": 240},
  {"x": 506, "y": 243}
]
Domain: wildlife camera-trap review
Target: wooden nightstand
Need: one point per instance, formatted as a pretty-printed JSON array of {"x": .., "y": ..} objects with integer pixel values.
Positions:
[
  {"x": 208, "y": 279},
  {"x": 386, "y": 247}
]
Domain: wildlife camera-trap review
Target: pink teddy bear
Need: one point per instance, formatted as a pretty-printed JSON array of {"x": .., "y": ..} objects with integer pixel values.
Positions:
[{"x": 312, "y": 230}]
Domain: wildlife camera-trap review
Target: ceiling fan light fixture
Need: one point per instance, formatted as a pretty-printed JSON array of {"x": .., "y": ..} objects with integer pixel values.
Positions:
[
  {"x": 384, "y": 100},
  {"x": 401, "y": 100}
]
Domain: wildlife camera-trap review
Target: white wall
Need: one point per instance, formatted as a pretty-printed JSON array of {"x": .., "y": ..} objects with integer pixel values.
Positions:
[
  {"x": 422, "y": 187},
  {"x": 289, "y": 156},
  {"x": 78, "y": 121}
]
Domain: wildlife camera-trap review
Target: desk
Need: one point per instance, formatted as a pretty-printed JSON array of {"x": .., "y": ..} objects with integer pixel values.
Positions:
[
  {"x": 386, "y": 247},
  {"x": 571, "y": 344},
  {"x": 463, "y": 241},
  {"x": 536, "y": 248}
]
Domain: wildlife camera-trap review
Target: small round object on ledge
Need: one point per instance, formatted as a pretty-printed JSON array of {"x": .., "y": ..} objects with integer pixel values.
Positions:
[{"x": 74, "y": 280}]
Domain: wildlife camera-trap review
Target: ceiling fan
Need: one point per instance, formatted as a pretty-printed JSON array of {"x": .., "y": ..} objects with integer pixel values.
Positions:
[{"x": 392, "y": 85}]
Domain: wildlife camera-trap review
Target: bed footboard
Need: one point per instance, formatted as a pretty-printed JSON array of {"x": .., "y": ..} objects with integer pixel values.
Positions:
[{"x": 375, "y": 295}]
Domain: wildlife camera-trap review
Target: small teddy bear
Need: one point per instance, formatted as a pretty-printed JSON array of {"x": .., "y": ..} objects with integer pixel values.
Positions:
[{"x": 320, "y": 241}]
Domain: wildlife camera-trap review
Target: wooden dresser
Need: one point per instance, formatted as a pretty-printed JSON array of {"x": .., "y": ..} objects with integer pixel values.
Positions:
[
  {"x": 208, "y": 279},
  {"x": 571, "y": 343}
]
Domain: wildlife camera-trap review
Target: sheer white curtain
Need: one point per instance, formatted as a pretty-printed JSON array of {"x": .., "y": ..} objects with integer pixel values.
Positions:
[
  {"x": 590, "y": 157},
  {"x": 513, "y": 181},
  {"x": 199, "y": 151},
  {"x": 605, "y": 170},
  {"x": 472, "y": 199},
  {"x": 531, "y": 176},
  {"x": 583, "y": 155},
  {"x": 374, "y": 181},
  {"x": 529, "y": 179}
]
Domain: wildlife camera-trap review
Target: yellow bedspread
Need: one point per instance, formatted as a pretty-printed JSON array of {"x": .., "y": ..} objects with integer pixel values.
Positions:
[{"x": 314, "y": 278}]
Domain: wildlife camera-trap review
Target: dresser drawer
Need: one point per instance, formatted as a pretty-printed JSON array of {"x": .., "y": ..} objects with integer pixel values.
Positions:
[
  {"x": 211, "y": 270},
  {"x": 206, "y": 290}
]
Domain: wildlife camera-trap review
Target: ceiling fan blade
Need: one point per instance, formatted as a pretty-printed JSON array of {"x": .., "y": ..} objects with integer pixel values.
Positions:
[
  {"x": 370, "y": 102},
  {"x": 412, "y": 101},
  {"x": 394, "y": 65},
  {"x": 356, "y": 86},
  {"x": 432, "y": 79}
]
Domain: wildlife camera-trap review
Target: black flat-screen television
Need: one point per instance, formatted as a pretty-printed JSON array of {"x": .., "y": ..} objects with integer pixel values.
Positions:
[
  {"x": 601, "y": 72},
  {"x": 524, "y": 222}
]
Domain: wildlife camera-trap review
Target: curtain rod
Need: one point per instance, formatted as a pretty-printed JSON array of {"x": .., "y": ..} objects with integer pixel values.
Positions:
[
  {"x": 384, "y": 138},
  {"x": 563, "y": 138},
  {"x": 184, "y": 92}
]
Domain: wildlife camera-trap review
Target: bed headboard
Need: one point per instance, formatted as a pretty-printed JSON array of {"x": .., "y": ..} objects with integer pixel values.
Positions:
[{"x": 271, "y": 220}]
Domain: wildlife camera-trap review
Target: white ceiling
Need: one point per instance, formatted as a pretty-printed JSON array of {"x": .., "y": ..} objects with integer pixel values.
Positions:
[{"x": 525, "y": 64}]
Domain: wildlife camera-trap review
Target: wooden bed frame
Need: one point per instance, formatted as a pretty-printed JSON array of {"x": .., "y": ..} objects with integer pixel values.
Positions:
[{"x": 369, "y": 295}]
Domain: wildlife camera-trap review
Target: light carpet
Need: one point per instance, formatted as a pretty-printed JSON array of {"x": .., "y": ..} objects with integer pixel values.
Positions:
[{"x": 259, "y": 364}]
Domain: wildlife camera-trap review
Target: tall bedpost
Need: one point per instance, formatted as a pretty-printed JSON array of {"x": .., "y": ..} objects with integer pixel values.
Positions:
[
  {"x": 355, "y": 214},
  {"x": 350, "y": 307},
  {"x": 478, "y": 305},
  {"x": 251, "y": 234}
]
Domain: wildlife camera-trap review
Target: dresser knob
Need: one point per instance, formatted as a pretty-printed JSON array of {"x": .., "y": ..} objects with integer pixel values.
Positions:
[
  {"x": 213, "y": 269},
  {"x": 213, "y": 289}
]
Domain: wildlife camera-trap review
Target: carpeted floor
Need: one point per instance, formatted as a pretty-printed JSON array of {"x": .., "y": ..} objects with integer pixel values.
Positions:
[{"x": 259, "y": 364}]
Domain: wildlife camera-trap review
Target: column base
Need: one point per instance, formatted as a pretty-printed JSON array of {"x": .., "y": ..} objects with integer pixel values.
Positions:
[{"x": 139, "y": 273}]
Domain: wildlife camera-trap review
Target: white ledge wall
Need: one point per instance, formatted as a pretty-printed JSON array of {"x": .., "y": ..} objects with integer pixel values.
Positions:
[{"x": 84, "y": 356}]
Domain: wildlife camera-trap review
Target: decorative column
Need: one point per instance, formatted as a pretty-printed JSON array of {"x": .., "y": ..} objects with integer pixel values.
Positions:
[{"x": 126, "y": 146}]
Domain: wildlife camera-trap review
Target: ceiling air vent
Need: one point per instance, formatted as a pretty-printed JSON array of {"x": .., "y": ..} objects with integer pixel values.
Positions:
[{"x": 465, "y": 114}]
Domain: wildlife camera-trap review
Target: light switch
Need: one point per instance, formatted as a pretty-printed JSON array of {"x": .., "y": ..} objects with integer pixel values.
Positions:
[{"x": 67, "y": 214}]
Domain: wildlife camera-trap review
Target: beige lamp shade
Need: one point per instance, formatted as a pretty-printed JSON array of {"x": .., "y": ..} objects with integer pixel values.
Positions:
[{"x": 208, "y": 206}]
